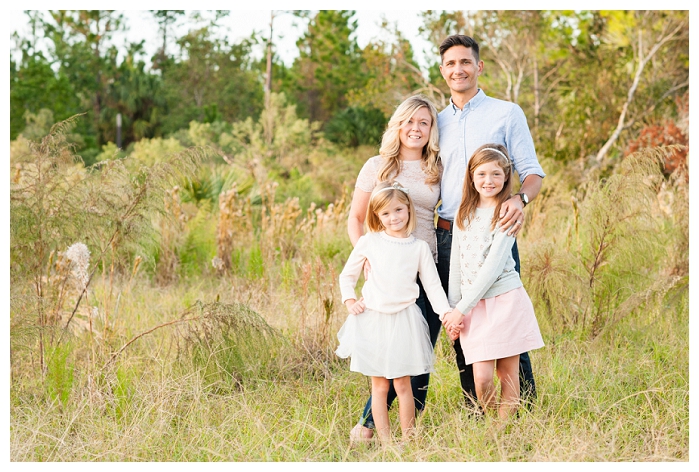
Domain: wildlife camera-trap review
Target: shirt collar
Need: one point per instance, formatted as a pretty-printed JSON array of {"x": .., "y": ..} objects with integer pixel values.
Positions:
[{"x": 471, "y": 104}]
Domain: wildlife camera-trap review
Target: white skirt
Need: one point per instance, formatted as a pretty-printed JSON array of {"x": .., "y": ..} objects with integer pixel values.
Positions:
[{"x": 387, "y": 345}]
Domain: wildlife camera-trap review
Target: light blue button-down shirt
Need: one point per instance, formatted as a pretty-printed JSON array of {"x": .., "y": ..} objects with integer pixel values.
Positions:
[{"x": 483, "y": 120}]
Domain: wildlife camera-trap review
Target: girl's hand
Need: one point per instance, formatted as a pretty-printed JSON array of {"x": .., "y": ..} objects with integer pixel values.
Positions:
[
  {"x": 454, "y": 332},
  {"x": 355, "y": 307},
  {"x": 453, "y": 322}
]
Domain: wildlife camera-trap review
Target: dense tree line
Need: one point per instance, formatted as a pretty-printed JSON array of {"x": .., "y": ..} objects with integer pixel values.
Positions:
[{"x": 590, "y": 82}]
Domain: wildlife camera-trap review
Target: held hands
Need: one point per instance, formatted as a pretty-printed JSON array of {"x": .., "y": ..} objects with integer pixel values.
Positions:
[
  {"x": 453, "y": 322},
  {"x": 512, "y": 215},
  {"x": 355, "y": 307}
]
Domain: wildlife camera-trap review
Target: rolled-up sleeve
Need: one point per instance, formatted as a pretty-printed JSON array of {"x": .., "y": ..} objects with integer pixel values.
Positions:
[{"x": 519, "y": 143}]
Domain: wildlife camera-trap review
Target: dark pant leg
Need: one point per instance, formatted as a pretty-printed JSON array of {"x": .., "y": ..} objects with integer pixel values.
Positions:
[
  {"x": 419, "y": 383},
  {"x": 527, "y": 386},
  {"x": 468, "y": 386}
]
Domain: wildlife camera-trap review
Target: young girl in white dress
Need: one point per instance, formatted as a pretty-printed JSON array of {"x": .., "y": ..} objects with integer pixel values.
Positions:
[
  {"x": 493, "y": 315},
  {"x": 385, "y": 334}
]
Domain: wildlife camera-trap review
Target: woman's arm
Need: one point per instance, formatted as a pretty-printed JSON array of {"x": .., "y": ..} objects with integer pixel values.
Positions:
[
  {"x": 357, "y": 214},
  {"x": 454, "y": 286}
]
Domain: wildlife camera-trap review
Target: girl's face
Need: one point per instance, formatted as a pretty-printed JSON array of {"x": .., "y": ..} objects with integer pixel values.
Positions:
[
  {"x": 395, "y": 217},
  {"x": 415, "y": 132},
  {"x": 489, "y": 179}
]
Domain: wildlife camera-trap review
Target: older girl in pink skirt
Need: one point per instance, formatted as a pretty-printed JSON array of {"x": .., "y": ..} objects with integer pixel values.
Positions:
[{"x": 492, "y": 315}]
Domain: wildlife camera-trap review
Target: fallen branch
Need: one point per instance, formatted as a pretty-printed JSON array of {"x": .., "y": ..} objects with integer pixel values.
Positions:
[{"x": 135, "y": 338}]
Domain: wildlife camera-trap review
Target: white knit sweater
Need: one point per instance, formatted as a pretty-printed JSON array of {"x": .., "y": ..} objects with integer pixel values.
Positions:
[
  {"x": 481, "y": 264},
  {"x": 395, "y": 265}
]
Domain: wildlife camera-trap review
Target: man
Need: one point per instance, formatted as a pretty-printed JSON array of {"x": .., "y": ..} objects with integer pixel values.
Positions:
[{"x": 470, "y": 120}]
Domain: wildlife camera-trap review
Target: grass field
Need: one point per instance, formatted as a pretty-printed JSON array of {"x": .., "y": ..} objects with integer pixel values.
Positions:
[
  {"x": 621, "y": 397},
  {"x": 203, "y": 332}
]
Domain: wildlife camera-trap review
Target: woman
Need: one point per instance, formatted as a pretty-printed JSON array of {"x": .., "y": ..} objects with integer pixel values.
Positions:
[{"x": 409, "y": 151}]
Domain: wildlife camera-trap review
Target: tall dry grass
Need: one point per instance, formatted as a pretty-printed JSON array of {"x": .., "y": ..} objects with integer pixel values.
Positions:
[
  {"x": 624, "y": 398},
  {"x": 221, "y": 348}
]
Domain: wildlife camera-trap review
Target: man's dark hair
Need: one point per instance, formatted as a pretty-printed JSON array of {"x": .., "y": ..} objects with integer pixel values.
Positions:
[{"x": 459, "y": 40}]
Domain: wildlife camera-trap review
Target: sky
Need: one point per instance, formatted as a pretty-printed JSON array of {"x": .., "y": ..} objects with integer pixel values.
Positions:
[{"x": 240, "y": 24}]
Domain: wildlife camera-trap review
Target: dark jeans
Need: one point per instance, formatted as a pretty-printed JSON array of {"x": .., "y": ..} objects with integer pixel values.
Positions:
[
  {"x": 526, "y": 376},
  {"x": 419, "y": 383}
]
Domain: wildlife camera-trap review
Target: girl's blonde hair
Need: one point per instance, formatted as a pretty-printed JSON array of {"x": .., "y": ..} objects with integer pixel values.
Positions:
[
  {"x": 390, "y": 143},
  {"x": 470, "y": 196},
  {"x": 382, "y": 195}
]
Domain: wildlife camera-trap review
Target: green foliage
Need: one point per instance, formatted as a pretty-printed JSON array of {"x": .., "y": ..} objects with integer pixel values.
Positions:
[
  {"x": 572, "y": 72},
  {"x": 147, "y": 152},
  {"x": 255, "y": 267},
  {"x": 334, "y": 247},
  {"x": 79, "y": 40},
  {"x": 213, "y": 81},
  {"x": 288, "y": 274},
  {"x": 279, "y": 138},
  {"x": 355, "y": 126},
  {"x": 109, "y": 151},
  {"x": 209, "y": 182},
  {"x": 35, "y": 86},
  {"x": 392, "y": 75},
  {"x": 328, "y": 66},
  {"x": 297, "y": 185},
  {"x": 123, "y": 390},
  {"x": 60, "y": 373},
  {"x": 135, "y": 94},
  {"x": 199, "y": 246},
  {"x": 37, "y": 125}
]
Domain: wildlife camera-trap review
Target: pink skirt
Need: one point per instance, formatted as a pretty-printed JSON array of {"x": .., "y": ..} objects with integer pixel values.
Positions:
[{"x": 499, "y": 327}]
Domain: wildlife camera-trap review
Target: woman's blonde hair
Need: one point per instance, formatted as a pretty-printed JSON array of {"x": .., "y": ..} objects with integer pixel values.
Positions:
[
  {"x": 382, "y": 195},
  {"x": 470, "y": 196},
  {"x": 390, "y": 143}
]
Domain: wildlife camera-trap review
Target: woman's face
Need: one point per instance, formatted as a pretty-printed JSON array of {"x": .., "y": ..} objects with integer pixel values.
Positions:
[{"x": 415, "y": 132}]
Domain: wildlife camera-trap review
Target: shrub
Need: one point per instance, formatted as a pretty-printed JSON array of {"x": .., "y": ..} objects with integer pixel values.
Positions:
[
  {"x": 356, "y": 126},
  {"x": 230, "y": 344},
  {"x": 56, "y": 202},
  {"x": 607, "y": 258}
]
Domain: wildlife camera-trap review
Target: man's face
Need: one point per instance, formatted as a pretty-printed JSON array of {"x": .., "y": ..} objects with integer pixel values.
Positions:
[{"x": 460, "y": 69}]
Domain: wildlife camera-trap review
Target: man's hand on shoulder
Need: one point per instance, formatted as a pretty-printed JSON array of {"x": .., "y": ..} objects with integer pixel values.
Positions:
[{"x": 512, "y": 215}]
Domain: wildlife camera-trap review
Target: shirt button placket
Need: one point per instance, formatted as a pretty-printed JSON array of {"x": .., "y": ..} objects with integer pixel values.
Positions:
[{"x": 462, "y": 140}]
